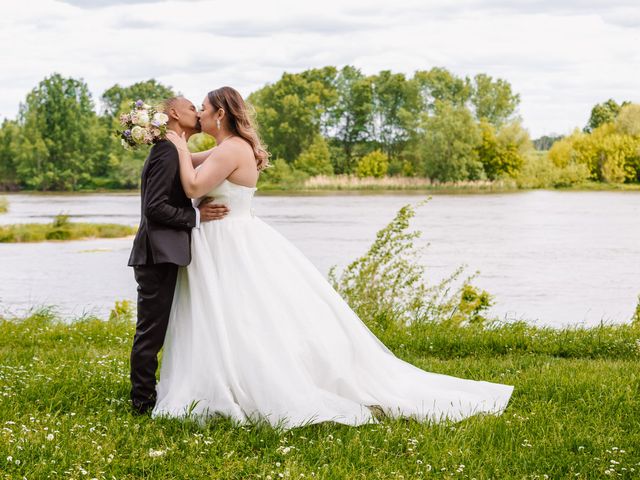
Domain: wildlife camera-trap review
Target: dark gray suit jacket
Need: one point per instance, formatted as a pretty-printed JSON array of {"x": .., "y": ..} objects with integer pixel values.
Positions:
[{"x": 167, "y": 215}]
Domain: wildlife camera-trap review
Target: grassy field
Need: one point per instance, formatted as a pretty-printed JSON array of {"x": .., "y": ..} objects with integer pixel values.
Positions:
[
  {"x": 574, "y": 413},
  {"x": 62, "y": 229}
]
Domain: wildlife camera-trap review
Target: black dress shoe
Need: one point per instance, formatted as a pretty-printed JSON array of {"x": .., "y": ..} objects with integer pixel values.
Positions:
[{"x": 139, "y": 408}]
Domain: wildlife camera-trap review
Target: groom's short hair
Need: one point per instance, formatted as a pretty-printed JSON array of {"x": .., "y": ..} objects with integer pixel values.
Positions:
[{"x": 170, "y": 103}]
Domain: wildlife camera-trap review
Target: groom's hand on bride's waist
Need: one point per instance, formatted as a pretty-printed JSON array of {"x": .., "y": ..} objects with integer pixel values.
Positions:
[{"x": 209, "y": 210}]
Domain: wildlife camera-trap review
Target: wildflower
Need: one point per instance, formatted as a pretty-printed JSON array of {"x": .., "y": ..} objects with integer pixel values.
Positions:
[
  {"x": 156, "y": 453},
  {"x": 50, "y": 437}
]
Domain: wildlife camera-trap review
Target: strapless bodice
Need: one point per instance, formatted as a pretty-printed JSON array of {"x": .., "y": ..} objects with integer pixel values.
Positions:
[{"x": 237, "y": 197}]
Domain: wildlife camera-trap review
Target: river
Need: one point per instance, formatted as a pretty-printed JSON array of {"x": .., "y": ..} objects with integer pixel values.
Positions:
[{"x": 549, "y": 257}]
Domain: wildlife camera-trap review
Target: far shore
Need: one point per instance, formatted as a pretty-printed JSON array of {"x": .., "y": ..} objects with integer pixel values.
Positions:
[{"x": 386, "y": 186}]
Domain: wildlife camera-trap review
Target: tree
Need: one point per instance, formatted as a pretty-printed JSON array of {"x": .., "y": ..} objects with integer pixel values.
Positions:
[
  {"x": 291, "y": 111},
  {"x": 628, "y": 119},
  {"x": 201, "y": 142},
  {"x": 449, "y": 145},
  {"x": 627, "y": 123},
  {"x": 322, "y": 84},
  {"x": 151, "y": 91},
  {"x": 57, "y": 146},
  {"x": 611, "y": 156},
  {"x": 374, "y": 164},
  {"x": 493, "y": 100},
  {"x": 316, "y": 159},
  {"x": 115, "y": 167},
  {"x": 545, "y": 142},
  {"x": 438, "y": 84},
  {"x": 396, "y": 108},
  {"x": 502, "y": 152},
  {"x": 9, "y": 134},
  {"x": 351, "y": 116},
  {"x": 601, "y": 113}
]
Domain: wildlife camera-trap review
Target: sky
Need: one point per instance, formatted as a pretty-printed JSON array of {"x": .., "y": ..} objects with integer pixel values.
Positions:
[{"x": 561, "y": 56}]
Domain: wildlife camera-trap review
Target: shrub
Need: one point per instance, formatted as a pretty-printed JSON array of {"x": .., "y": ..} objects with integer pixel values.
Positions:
[
  {"x": 316, "y": 159},
  {"x": 281, "y": 175},
  {"x": 636, "y": 315},
  {"x": 61, "y": 221},
  {"x": 388, "y": 282},
  {"x": 374, "y": 164},
  {"x": 540, "y": 171},
  {"x": 122, "y": 311}
]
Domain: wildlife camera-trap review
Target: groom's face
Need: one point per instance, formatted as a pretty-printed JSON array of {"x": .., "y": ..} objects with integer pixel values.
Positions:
[{"x": 188, "y": 115}]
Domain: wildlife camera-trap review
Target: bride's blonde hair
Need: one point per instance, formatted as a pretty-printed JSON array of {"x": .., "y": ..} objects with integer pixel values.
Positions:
[{"x": 241, "y": 120}]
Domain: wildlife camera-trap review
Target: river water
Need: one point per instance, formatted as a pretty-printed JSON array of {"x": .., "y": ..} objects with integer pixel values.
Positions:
[{"x": 548, "y": 257}]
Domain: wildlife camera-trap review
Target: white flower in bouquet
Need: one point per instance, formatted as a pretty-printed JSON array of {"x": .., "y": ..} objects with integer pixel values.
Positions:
[
  {"x": 141, "y": 118},
  {"x": 138, "y": 134},
  {"x": 160, "y": 119}
]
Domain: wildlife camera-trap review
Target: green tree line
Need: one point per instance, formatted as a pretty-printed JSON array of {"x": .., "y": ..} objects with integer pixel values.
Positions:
[{"x": 327, "y": 121}]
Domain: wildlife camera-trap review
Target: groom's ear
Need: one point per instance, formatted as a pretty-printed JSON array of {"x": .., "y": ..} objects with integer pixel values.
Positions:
[
  {"x": 170, "y": 108},
  {"x": 173, "y": 113}
]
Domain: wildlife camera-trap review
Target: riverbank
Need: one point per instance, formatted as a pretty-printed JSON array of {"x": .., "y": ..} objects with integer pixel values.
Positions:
[
  {"x": 64, "y": 411},
  {"x": 62, "y": 229}
]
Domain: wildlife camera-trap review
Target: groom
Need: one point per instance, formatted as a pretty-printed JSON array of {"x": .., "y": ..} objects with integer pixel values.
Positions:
[{"x": 161, "y": 245}]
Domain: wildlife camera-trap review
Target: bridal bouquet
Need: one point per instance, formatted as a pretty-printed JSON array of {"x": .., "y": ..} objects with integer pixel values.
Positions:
[{"x": 143, "y": 125}]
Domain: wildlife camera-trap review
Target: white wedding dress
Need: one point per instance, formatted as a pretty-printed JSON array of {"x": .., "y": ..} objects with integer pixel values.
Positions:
[{"x": 257, "y": 333}]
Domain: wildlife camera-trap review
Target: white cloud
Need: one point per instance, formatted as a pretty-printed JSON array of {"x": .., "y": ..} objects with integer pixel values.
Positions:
[{"x": 562, "y": 57}]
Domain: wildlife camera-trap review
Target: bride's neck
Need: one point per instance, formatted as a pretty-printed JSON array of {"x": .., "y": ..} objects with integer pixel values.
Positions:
[{"x": 222, "y": 135}]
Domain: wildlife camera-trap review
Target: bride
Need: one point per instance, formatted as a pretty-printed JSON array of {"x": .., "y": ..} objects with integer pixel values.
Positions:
[{"x": 257, "y": 333}]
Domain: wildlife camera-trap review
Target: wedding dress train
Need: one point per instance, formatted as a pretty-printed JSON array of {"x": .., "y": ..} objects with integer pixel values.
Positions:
[{"x": 256, "y": 332}]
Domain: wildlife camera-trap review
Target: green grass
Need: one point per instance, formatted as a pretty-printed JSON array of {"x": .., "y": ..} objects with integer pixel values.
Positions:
[
  {"x": 574, "y": 412},
  {"x": 62, "y": 229}
]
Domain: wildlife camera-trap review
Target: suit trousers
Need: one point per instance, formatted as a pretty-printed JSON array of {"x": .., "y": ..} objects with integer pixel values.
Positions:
[{"x": 156, "y": 285}]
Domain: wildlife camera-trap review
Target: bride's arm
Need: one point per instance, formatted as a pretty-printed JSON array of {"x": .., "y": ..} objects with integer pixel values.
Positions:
[
  {"x": 197, "y": 183},
  {"x": 199, "y": 157}
]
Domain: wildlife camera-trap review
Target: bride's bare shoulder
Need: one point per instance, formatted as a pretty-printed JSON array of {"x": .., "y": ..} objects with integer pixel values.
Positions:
[{"x": 236, "y": 146}]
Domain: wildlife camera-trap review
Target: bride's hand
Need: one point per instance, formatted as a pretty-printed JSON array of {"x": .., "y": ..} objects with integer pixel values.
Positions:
[{"x": 180, "y": 141}]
